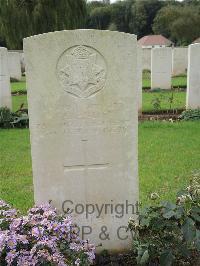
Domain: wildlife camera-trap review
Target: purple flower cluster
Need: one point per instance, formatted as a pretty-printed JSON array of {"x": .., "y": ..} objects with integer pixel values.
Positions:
[{"x": 42, "y": 237}]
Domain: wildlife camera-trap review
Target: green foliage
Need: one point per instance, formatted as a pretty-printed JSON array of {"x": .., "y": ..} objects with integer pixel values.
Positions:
[
  {"x": 169, "y": 233},
  {"x": 182, "y": 25},
  {"x": 156, "y": 103},
  {"x": 168, "y": 99},
  {"x": 179, "y": 21},
  {"x": 9, "y": 119},
  {"x": 127, "y": 16},
  {"x": 22, "y": 18},
  {"x": 190, "y": 115},
  {"x": 121, "y": 15},
  {"x": 163, "y": 20},
  {"x": 143, "y": 14},
  {"x": 99, "y": 18},
  {"x": 5, "y": 117}
]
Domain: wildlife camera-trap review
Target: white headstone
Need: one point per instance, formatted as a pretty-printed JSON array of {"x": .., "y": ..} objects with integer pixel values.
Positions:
[
  {"x": 146, "y": 58},
  {"x": 82, "y": 95},
  {"x": 161, "y": 68},
  {"x": 22, "y": 61},
  {"x": 193, "y": 77},
  {"x": 139, "y": 78},
  {"x": 14, "y": 65},
  {"x": 179, "y": 60},
  {"x": 5, "y": 92}
]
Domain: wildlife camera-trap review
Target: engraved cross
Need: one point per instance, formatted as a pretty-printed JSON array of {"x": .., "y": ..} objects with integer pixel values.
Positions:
[{"x": 86, "y": 165}]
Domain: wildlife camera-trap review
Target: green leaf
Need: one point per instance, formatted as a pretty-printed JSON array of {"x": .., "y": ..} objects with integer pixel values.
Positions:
[
  {"x": 196, "y": 209},
  {"x": 145, "y": 257},
  {"x": 166, "y": 258},
  {"x": 197, "y": 240},
  {"x": 188, "y": 230},
  {"x": 144, "y": 222},
  {"x": 169, "y": 205},
  {"x": 179, "y": 212},
  {"x": 196, "y": 216},
  {"x": 168, "y": 214},
  {"x": 183, "y": 249}
]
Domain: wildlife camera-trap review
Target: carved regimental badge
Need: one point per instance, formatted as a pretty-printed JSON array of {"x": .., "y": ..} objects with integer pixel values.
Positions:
[{"x": 81, "y": 71}]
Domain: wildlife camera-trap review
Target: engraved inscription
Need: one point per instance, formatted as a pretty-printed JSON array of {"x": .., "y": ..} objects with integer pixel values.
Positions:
[
  {"x": 81, "y": 71},
  {"x": 85, "y": 166}
]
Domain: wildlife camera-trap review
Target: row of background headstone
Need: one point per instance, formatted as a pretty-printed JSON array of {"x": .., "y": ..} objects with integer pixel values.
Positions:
[
  {"x": 12, "y": 65},
  {"x": 5, "y": 90},
  {"x": 165, "y": 62},
  {"x": 179, "y": 59},
  {"x": 162, "y": 62}
]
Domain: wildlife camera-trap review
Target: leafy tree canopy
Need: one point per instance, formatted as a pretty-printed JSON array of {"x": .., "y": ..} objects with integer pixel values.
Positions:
[
  {"x": 181, "y": 25},
  {"x": 22, "y": 18}
]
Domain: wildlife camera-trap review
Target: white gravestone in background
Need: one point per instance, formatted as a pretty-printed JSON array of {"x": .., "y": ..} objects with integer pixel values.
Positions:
[
  {"x": 14, "y": 65},
  {"x": 179, "y": 60},
  {"x": 23, "y": 63},
  {"x": 139, "y": 77},
  {"x": 82, "y": 96},
  {"x": 5, "y": 91},
  {"x": 146, "y": 58},
  {"x": 161, "y": 68},
  {"x": 193, "y": 77}
]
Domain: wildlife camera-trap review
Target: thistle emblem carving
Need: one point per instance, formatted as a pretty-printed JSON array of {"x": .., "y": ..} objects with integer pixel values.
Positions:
[{"x": 81, "y": 71}]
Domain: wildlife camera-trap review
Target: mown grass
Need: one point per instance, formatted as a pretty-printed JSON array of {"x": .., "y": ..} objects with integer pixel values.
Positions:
[
  {"x": 19, "y": 86},
  {"x": 167, "y": 155},
  {"x": 15, "y": 168},
  {"x": 148, "y": 97},
  {"x": 18, "y": 100},
  {"x": 178, "y": 102},
  {"x": 177, "y": 81}
]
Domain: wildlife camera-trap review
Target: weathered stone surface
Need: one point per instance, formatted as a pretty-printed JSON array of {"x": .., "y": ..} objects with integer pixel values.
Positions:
[
  {"x": 179, "y": 60},
  {"x": 22, "y": 62},
  {"x": 139, "y": 77},
  {"x": 5, "y": 92},
  {"x": 83, "y": 106},
  {"x": 146, "y": 58},
  {"x": 161, "y": 68},
  {"x": 193, "y": 78},
  {"x": 14, "y": 65}
]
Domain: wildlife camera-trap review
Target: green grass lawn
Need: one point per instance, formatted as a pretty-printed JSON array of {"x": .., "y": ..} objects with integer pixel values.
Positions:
[
  {"x": 18, "y": 86},
  {"x": 178, "y": 81},
  {"x": 167, "y": 155},
  {"x": 15, "y": 168},
  {"x": 18, "y": 100},
  {"x": 179, "y": 100},
  {"x": 178, "y": 103}
]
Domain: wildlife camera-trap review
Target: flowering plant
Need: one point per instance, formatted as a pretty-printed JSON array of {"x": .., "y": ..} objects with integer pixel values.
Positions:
[
  {"x": 42, "y": 237},
  {"x": 169, "y": 233}
]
